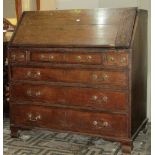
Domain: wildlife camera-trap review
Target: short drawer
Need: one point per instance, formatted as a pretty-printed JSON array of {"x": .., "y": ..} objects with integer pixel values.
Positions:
[
  {"x": 17, "y": 56},
  {"x": 83, "y": 76},
  {"x": 70, "y": 58},
  {"x": 70, "y": 120},
  {"x": 83, "y": 97}
]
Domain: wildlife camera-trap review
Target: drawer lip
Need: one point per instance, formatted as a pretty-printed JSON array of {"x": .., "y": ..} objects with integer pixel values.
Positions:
[
  {"x": 62, "y": 84},
  {"x": 75, "y": 108},
  {"x": 71, "y": 118},
  {"x": 84, "y": 97}
]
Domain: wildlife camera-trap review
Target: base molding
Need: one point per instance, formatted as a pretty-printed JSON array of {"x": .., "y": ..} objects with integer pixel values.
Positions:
[{"x": 127, "y": 143}]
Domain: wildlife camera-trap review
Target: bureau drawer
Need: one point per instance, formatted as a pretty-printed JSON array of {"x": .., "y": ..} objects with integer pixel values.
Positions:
[
  {"x": 70, "y": 120},
  {"x": 84, "y": 97},
  {"x": 17, "y": 56},
  {"x": 83, "y": 76},
  {"x": 71, "y": 58}
]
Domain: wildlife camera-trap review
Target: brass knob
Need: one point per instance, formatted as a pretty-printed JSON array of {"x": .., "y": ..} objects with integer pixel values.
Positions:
[
  {"x": 105, "y": 124},
  {"x": 38, "y": 93},
  {"x": 29, "y": 74},
  {"x": 51, "y": 57},
  {"x": 94, "y": 77},
  {"x": 89, "y": 57},
  {"x": 95, "y": 123},
  {"x": 94, "y": 97},
  {"x": 123, "y": 60},
  {"x": 78, "y": 20},
  {"x": 79, "y": 57},
  {"x": 111, "y": 58},
  {"x": 105, "y": 99},
  {"x": 42, "y": 56},
  {"x": 29, "y": 92},
  {"x": 38, "y": 73},
  {"x": 105, "y": 77},
  {"x": 38, "y": 117}
]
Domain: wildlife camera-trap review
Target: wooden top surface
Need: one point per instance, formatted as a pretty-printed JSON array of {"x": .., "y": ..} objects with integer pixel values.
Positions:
[{"x": 76, "y": 28}]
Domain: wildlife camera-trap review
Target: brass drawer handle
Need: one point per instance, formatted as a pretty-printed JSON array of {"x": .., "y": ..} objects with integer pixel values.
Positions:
[
  {"x": 33, "y": 118},
  {"x": 102, "y": 99},
  {"x": 105, "y": 77},
  {"x": 94, "y": 77},
  {"x": 77, "y": 20},
  {"x": 51, "y": 57},
  {"x": 123, "y": 60},
  {"x": 78, "y": 58},
  {"x": 33, "y": 93},
  {"x": 105, "y": 99},
  {"x": 33, "y": 74},
  {"x": 111, "y": 58},
  {"x": 89, "y": 57},
  {"x": 102, "y": 124},
  {"x": 94, "y": 98},
  {"x": 42, "y": 56}
]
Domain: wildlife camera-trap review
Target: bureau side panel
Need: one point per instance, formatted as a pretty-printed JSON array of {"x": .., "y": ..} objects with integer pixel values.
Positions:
[{"x": 139, "y": 72}]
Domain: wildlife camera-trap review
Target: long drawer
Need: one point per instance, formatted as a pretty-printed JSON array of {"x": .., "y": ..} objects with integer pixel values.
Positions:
[
  {"x": 73, "y": 58},
  {"x": 70, "y": 120},
  {"x": 84, "y": 76},
  {"x": 73, "y": 96}
]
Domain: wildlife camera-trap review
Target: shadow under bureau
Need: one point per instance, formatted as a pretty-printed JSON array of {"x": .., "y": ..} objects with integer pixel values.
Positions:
[{"x": 82, "y": 71}]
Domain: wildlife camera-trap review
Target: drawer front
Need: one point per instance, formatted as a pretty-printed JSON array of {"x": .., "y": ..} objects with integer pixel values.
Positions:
[
  {"x": 115, "y": 59},
  {"x": 83, "y": 76},
  {"x": 17, "y": 56},
  {"x": 74, "y": 58},
  {"x": 84, "y": 97},
  {"x": 67, "y": 119}
]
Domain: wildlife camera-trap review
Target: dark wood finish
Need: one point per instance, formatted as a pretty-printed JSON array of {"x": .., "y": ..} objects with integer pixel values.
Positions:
[
  {"x": 106, "y": 27},
  {"x": 75, "y": 58},
  {"x": 80, "y": 71},
  {"x": 68, "y": 119},
  {"x": 84, "y": 97},
  {"x": 83, "y": 76},
  {"x": 139, "y": 72}
]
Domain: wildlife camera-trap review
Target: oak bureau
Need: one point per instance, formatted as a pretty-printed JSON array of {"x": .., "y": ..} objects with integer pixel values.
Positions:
[{"x": 83, "y": 71}]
